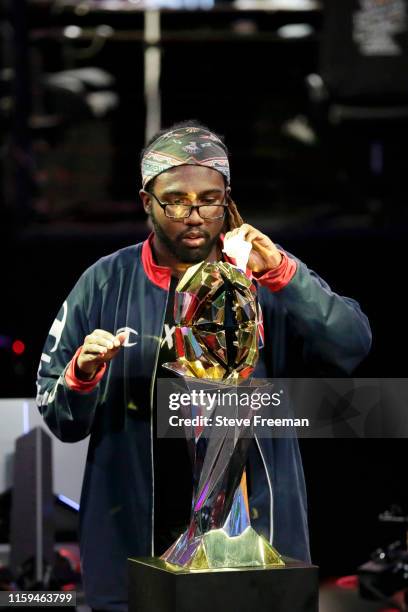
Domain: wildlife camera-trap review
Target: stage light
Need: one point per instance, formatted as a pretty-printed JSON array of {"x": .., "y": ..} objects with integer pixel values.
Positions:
[
  {"x": 18, "y": 347},
  {"x": 72, "y": 31},
  {"x": 295, "y": 30},
  {"x": 69, "y": 502}
]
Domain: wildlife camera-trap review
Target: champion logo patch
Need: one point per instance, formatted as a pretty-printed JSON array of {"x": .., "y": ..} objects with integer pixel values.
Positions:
[{"x": 132, "y": 335}]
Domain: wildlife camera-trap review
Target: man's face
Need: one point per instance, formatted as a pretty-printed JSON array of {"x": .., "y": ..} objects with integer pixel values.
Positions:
[{"x": 191, "y": 239}]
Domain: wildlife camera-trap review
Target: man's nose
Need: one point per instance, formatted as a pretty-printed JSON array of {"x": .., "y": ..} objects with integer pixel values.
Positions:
[{"x": 194, "y": 218}]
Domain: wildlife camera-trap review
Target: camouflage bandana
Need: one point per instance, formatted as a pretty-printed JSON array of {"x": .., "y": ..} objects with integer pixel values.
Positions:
[{"x": 187, "y": 145}]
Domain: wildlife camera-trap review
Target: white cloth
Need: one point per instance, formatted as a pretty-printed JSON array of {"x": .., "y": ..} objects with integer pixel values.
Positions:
[{"x": 239, "y": 249}]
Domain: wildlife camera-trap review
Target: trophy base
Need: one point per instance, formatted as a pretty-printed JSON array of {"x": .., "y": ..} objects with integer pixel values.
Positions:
[
  {"x": 292, "y": 587},
  {"x": 216, "y": 550}
]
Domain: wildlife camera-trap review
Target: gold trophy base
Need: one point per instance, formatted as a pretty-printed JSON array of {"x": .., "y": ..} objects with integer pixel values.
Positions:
[{"x": 218, "y": 550}]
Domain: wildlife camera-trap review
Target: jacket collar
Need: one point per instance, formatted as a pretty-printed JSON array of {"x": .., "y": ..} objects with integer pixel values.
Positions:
[
  {"x": 158, "y": 275},
  {"x": 161, "y": 275}
]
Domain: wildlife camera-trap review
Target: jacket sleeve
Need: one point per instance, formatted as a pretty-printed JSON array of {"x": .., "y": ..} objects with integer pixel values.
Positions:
[
  {"x": 334, "y": 332},
  {"x": 69, "y": 414}
]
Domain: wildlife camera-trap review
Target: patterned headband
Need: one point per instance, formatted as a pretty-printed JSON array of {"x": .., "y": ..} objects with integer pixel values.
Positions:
[{"x": 187, "y": 145}]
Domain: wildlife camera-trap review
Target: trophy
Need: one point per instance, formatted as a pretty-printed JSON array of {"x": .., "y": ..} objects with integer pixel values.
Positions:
[{"x": 218, "y": 335}]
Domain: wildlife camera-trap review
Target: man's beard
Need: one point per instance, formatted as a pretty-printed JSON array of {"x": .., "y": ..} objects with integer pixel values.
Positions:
[{"x": 182, "y": 252}]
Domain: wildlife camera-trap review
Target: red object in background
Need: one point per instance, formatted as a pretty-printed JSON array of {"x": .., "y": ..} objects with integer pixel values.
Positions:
[
  {"x": 72, "y": 557},
  {"x": 399, "y": 599},
  {"x": 350, "y": 583},
  {"x": 18, "y": 347},
  {"x": 347, "y": 582}
]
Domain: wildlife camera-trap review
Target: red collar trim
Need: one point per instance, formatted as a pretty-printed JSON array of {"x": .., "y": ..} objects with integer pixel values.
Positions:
[{"x": 159, "y": 275}]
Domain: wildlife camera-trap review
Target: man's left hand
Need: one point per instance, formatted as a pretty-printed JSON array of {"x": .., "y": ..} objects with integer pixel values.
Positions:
[{"x": 264, "y": 255}]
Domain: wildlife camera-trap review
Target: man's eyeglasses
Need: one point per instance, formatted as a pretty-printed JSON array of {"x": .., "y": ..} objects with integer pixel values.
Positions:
[{"x": 180, "y": 207}]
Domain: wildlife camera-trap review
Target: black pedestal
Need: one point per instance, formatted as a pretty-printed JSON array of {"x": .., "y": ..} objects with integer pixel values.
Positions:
[{"x": 153, "y": 588}]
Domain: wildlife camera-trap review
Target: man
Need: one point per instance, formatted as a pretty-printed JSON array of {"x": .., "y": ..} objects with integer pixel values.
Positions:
[{"x": 100, "y": 364}]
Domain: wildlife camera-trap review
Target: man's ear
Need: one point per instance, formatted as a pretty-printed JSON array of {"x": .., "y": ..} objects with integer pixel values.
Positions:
[{"x": 146, "y": 201}]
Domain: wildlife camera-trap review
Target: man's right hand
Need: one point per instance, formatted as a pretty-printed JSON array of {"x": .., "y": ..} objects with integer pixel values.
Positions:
[{"x": 98, "y": 348}]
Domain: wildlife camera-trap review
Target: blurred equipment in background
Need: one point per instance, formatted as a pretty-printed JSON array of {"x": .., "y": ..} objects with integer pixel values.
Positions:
[
  {"x": 97, "y": 78},
  {"x": 386, "y": 573},
  {"x": 359, "y": 98},
  {"x": 163, "y": 63},
  {"x": 72, "y": 140},
  {"x": 364, "y": 54},
  {"x": 58, "y": 153},
  {"x": 381, "y": 584},
  {"x": 6, "y": 96},
  {"x": 30, "y": 518},
  {"x": 31, "y": 528},
  {"x": 18, "y": 159}
]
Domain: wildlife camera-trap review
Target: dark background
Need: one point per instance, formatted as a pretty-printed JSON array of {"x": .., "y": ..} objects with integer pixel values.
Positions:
[{"x": 322, "y": 171}]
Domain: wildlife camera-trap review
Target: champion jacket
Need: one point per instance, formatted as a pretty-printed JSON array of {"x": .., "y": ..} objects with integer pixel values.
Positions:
[{"x": 309, "y": 330}]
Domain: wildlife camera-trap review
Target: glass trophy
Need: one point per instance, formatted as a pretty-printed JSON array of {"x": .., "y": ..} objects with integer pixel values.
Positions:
[{"x": 218, "y": 336}]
